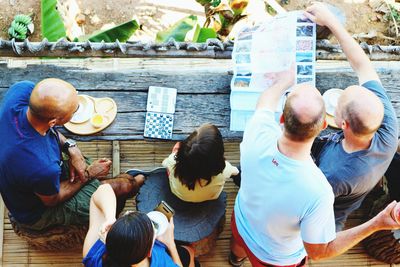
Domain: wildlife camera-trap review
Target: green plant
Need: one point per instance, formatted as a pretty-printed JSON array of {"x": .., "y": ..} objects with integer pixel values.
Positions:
[
  {"x": 178, "y": 31},
  {"x": 223, "y": 17},
  {"x": 53, "y": 27},
  {"x": 220, "y": 18},
  {"x": 52, "y": 24},
  {"x": 121, "y": 32},
  {"x": 393, "y": 16},
  {"x": 21, "y": 27}
]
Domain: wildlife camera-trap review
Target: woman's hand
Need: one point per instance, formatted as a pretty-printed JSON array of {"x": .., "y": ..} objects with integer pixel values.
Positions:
[{"x": 167, "y": 238}]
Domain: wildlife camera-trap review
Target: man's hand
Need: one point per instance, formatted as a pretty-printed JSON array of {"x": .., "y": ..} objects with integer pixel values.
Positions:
[
  {"x": 99, "y": 168},
  {"x": 284, "y": 78},
  {"x": 321, "y": 15},
  {"x": 77, "y": 165},
  {"x": 359, "y": 61},
  {"x": 384, "y": 220},
  {"x": 281, "y": 81}
]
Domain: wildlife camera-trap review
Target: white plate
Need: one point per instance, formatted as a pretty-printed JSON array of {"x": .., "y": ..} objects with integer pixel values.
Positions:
[
  {"x": 331, "y": 98},
  {"x": 85, "y": 110},
  {"x": 161, "y": 221}
]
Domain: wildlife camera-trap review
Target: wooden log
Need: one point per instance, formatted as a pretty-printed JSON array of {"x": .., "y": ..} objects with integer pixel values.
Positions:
[{"x": 203, "y": 88}]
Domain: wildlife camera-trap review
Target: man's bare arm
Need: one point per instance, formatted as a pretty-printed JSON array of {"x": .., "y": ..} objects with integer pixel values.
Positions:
[
  {"x": 67, "y": 190},
  {"x": 358, "y": 60},
  {"x": 98, "y": 168},
  {"x": 269, "y": 99},
  {"x": 77, "y": 163},
  {"x": 349, "y": 238}
]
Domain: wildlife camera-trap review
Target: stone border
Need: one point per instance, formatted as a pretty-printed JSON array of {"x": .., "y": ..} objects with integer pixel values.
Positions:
[{"x": 213, "y": 48}]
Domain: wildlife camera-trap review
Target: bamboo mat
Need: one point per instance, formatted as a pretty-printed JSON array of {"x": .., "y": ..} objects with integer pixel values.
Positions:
[{"x": 145, "y": 155}]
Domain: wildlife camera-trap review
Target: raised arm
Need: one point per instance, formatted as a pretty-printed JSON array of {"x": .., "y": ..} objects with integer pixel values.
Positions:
[
  {"x": 103, "y": 205},
  {"x": 359, "y": 61},
  {"x": 269, "y": 99}
]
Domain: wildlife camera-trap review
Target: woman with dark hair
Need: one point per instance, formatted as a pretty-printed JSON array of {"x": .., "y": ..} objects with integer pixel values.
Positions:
[
  {"x": 197, "y": 168},
  {"x": 129, "y": 241}
]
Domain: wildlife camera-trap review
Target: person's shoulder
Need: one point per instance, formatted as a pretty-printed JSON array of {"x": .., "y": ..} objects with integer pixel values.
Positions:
[
  {"x": 318, "y": 182},
  {"x": 169, "y": 161},
  {"x": 22, "y": 87},
  {"x": 94, "y": 258},
  {"x": 160, "y": 256},
  {"x": 373, "y": 85},
  {"x": 19, "y": 93},
  {"x": 230, "y": 169},
  {"x": 262, "y": 129},
  {"x": 23, "y": 84}
]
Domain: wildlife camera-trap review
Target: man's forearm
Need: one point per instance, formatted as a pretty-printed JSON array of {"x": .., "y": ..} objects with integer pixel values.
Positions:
[
  {"x": 269, "y": 99},
  {"x": 348, "y": 239},
  {"x": 355, "y": 55},
  {"x": 67, "y": 191}
]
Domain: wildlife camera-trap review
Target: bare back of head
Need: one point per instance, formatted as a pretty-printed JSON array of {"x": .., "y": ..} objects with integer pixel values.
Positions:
[
  {"x": 304, "y": 113},
  {"x": 361, "y": 109},
  {"x": 53, "y": 99}
]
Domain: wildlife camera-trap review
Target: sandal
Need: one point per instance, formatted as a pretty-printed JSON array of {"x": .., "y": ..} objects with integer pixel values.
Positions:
[
  {"x": 234, "y": 261},
  {"x": 135, "y": 172}
]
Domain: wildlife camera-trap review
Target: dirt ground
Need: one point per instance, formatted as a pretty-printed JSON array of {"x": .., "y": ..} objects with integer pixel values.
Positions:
[{"x": 156, "y": 15}]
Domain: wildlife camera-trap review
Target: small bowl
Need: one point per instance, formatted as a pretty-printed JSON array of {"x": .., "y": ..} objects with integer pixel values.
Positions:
[
  {"x": 98, "y": 120},
  {"x": 85, "y": 110}
]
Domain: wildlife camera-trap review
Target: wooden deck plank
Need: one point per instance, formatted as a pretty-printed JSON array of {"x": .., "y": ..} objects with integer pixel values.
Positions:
[{"x": 145, "y": 155}]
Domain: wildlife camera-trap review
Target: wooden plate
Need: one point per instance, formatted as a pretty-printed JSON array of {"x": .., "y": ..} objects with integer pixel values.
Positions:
[{"x": 105, "y": 106}]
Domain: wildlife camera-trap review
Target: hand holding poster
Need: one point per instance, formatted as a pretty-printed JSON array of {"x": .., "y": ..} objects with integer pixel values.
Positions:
[{"x": 276, "y": 45}]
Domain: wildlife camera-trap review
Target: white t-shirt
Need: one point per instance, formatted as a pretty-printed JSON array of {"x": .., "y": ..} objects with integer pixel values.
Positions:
[{"x": 281, "y": 202}]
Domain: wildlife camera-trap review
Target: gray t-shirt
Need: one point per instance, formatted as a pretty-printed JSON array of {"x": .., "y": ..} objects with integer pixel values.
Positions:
[{"x": 354, "y": 175}]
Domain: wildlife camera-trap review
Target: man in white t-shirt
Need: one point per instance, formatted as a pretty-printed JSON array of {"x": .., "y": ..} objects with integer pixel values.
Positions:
[{"x": 284, "y": 209}]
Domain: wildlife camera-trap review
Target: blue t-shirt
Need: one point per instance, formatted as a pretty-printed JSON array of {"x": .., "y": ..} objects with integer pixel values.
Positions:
[
  {"x": 159, "y": 255},
  {"x": 281, "y": 201},
  {"x": 354, "y": 175},
  {"x": 29, "y": 162}
]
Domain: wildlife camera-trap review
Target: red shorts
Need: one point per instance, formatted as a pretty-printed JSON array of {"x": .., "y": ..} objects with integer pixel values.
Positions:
[{"x": 255, "y": 262}]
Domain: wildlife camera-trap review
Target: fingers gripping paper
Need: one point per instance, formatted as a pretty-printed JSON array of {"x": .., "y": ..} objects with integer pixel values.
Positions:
[{"x": 262, "y": 51}]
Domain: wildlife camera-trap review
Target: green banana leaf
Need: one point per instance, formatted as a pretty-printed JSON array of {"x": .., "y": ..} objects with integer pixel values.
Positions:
[
  {"x": 178, "y": 31},
  {"x": 121, "y": 32},
  {"x": 52, "y": 23},
  {"x": 202, "y": 34}
]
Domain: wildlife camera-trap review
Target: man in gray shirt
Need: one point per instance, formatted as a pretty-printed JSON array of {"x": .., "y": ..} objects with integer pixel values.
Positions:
[{"x": 355, "y": 158}]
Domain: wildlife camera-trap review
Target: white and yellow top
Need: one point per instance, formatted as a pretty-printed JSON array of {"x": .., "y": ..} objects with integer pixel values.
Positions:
[{"x": 202, "y": 191}]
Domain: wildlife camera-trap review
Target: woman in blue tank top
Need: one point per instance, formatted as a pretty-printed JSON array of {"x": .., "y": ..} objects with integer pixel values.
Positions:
[{"x": 130, "y": 240}]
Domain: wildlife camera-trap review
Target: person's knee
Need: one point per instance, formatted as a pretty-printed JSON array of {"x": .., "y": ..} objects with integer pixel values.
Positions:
[{"x": 237, "y": 249}]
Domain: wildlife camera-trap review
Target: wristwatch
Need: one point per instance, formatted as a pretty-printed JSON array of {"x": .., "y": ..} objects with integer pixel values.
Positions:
[{"x": 67, "y": 144}]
